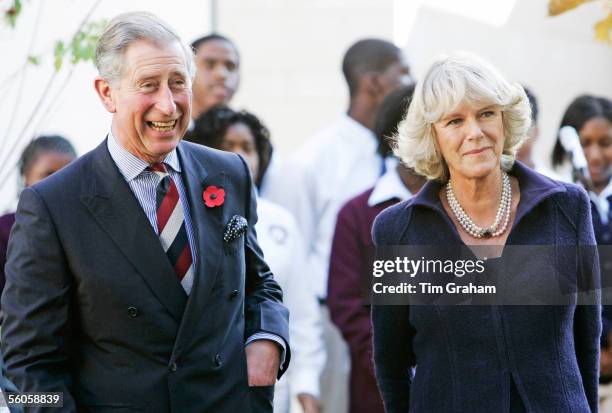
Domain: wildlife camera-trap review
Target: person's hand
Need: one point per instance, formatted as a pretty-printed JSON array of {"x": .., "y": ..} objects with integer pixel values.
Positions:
[
  {"x": 263, "y": 362},
  {"x": 605, "y": 358},
  {"x": 605, "y": 362},
  {"x": 309, "y": 403}
]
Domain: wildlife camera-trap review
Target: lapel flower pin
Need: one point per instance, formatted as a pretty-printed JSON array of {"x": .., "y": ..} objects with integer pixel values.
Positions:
[{"x": 213, "y": 196}]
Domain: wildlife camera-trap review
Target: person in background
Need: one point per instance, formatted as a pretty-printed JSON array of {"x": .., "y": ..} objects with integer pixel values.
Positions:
[
  {"x": 42, "y": 157},
  {"x": 352, "y": 255},
  {"x": 217, "y": 72},
  {"x": 524, "y": 153},
  {"x": 591, "y": 116},
  {"x": 279, "y": 236},
  {"x": 338, "y": 163},
  {"x": 216, "y": 82}
]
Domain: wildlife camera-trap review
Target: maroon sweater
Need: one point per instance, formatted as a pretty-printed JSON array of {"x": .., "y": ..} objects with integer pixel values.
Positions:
[
  {"x": 349, "y": 278},
  {"x": 6, "y": 223}
]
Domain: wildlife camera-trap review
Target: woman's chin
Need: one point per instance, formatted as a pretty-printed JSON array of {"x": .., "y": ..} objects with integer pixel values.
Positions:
[{"x": 478, "y": 171}]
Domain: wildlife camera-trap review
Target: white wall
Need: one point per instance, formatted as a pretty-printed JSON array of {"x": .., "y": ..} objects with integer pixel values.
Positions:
[
  {"x": 291, "y": 54},
  {"x": 291, "y": 51}
]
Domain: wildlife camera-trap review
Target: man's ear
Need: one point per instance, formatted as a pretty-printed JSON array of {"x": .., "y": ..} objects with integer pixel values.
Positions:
[
  {"x": 372, "y": 84},
  {"x": 104, "y": 91}
]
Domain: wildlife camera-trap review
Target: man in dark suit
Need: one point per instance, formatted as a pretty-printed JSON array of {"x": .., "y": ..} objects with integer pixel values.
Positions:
[{"x": 134, "y": 278}]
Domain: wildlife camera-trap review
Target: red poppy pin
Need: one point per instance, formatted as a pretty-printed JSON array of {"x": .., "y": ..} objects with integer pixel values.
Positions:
[{"x": 213, "y": 196}]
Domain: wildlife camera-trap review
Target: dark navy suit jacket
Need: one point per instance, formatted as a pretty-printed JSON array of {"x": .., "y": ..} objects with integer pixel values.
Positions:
[
  {"x": 93, "y": 308},
  {"x": 490, "y": 358}
]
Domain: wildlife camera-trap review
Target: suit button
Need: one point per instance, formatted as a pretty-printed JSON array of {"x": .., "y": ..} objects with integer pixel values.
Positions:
[
  {"x": 133, "y": 312},
  {"x": 218, "y": 360},
  {"x": 173, "y": 367},
  {"x": 234, "y": 294}
]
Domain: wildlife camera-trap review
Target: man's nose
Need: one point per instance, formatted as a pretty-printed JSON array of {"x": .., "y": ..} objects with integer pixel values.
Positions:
[
  {"x": 165, "y": 101},
  {"x": 221, "y": 71}
]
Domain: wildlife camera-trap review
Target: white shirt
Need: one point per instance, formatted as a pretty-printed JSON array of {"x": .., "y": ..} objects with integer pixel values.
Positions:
[
  {"x": 389, "y": 186},
  {"x": 335, "y": 165},
  {"x": 601, "y": 202},
  {"x": 272, "y": 176},
  {"x": 281, "y": 243}
]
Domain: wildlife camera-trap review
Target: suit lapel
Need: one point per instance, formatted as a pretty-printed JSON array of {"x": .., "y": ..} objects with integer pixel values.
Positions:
[
  {"x": 112, "y": 203},
  {"x": 207, "y": 225}
]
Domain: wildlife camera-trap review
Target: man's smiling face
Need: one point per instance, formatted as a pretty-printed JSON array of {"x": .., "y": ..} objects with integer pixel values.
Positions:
[{"x": 152, "y": 101}]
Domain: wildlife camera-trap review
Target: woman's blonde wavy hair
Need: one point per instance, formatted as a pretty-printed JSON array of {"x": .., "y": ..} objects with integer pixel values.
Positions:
[{"x": 451, "y": 80}]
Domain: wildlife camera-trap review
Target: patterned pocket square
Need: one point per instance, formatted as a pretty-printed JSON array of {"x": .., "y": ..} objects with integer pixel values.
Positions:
[{"x": 236, "y": 226}]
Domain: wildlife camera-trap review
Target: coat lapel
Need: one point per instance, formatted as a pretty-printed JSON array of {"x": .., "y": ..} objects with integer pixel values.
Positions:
[
  {"x": 112, "y": 203},
  {"x": 207, "y": 225}
]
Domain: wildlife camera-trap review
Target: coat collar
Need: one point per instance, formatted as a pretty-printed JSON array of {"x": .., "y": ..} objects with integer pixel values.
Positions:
[{"x": 534, "y": 189}]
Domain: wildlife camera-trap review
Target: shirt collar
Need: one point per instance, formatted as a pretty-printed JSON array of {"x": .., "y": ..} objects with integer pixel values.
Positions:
[
  {"x": 601, "y": 201},
  {"x": 607, "y": 191},
  {"x": 357, "y": 131},
  {"x": 389, "y": 186},
  {"x": 130, "y": 165}
]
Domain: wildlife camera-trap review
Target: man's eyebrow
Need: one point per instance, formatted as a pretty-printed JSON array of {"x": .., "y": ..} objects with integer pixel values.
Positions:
[
  {"x": 219, "y": 59},
  {"x": 145, "y": 77},
  {"x": 181, "y": 73}
]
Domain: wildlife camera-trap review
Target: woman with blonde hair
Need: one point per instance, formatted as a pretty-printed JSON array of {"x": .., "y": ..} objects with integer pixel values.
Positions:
[{"x": 462, "y": 131}]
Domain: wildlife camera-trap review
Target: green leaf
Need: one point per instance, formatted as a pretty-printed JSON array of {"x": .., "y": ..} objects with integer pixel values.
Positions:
[
  {"x": 59, "y": 52},
  {"x": 10, "y": 16},
  {"x": 82, "y": 47},
  {"x": 34, "y": 60}
]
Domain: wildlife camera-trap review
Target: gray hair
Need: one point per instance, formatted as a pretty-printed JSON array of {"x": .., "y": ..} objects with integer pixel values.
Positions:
[
  {"x": 124, "y": 30},
  {"x": 451, "y": 80}
]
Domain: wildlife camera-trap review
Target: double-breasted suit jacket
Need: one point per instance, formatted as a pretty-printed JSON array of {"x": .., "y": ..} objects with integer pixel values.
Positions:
[{"x": 93, "y": 307}]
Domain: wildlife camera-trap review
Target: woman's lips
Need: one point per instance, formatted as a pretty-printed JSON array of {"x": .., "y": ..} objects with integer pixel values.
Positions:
[{"x": 476, "y": 151}]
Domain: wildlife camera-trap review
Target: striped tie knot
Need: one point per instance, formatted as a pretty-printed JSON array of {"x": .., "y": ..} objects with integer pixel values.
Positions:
[{"x": 159, "y": 168}]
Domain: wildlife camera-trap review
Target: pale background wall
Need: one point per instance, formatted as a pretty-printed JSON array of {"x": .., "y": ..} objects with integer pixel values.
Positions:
[{"x": 291, "y": 51}]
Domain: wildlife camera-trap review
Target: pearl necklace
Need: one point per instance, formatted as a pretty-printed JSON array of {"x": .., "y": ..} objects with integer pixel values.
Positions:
[{"x": 503, "y": 212}]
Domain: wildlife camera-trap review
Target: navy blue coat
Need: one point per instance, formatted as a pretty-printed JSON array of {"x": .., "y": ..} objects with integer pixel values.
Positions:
[
  {"x": 94, "y": 309},
  {"x": 489, "y": 358}
]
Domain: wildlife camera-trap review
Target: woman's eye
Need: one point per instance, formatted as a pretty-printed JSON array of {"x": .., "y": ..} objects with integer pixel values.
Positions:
[
  {"x": 453, "y": 122},
  {"x": 488, "y": 114}
]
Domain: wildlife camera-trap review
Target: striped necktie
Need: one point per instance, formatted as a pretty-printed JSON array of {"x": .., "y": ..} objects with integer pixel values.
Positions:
[{"x": 171, "y": 227}]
